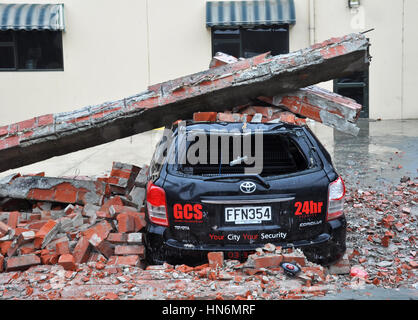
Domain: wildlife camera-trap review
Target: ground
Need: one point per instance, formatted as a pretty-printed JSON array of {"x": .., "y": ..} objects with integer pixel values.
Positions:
[{"x": 380, "y": 171}]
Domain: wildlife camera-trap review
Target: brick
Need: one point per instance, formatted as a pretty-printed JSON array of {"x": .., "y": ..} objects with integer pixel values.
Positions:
[
  {"x": 22, "y": 262},
  {"x": 112, "y": 201},
  {"x": 126, "y": 223},
  {"x": 27, "y": 249},
  {"x": 46, "y": 233},
  {"x": 68, "y": 262},
  {"x": 385, "y": 241},
  {"x": 63, "y": 247},
  {"x": 100, "y": 231},
  {"x": 82, "y": 250},
  {"x": 205, "y": 116},
  {"x": 139, "y": 220},
  {"x": 358, "y": 271},
  {"x": 35, "y": 217},
  {"x": 117, "y": 237},
  {"x": 77, "y": 220},
  {"x": 124, "y": 177},
  {"x": 216, "y": 259},
  {"x": 135, "y": 238},
  {"x": 50, "y": 258},
  {"x": 4, "y": 246},
  {"x": 103, "y": 215},
  {"x": 388, "y": 221},
  {"x": 132, "y": 260},
  {"x": 4, "y": 229},
  {"x": 13, "y": 248},
  {"x": 69, "y": 209},
  {"x": 27, "y": 236},
  {"x": 142, "y": 178},
  {"x": 230, "y": 117},
  {"x": 1, "y": 263},
  {"x": 129, "y": 250},
  {"x": 342, "y": 266},
  {"x": 268, "y": 261},
  {"x": 89, "y": 210},
  {"x": 13, "y": 219},
  {"x": 105, "y": 248},
  {"x": 295, "y": 257},
  {"x": 19, "y": 230},
  {"x": 137, "y": 196}
]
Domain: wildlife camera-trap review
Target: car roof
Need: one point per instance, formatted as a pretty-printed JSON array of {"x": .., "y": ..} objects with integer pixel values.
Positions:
[{"x": 239, "y": 126}]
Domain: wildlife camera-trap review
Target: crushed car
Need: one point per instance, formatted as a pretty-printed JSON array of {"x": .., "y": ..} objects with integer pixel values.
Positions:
[{"x": 233, "y": 187}]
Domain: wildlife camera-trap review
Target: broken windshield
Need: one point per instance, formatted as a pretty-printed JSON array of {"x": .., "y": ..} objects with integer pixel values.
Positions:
[{"x": 218, "y": 152}]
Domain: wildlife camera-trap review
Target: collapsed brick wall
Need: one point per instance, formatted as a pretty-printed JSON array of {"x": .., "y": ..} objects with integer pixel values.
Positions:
[
  {"x": 71, "y": 221},
  {"x": 216, "y": 89}
]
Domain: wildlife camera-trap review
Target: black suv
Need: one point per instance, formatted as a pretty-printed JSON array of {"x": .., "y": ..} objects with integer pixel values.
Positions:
[{"x": 289, "y": 195}]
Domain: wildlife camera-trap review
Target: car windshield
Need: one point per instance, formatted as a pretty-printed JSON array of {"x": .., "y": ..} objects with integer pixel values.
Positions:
[{"x": 214, "y": 153}]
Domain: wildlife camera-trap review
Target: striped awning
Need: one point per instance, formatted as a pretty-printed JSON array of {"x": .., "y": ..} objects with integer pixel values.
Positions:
[
  {"x": 250, "y": 13},
  {"x": 32, "y": 17}
]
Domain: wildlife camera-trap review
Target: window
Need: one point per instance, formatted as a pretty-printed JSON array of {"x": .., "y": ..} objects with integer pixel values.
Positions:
[
  {"x": 249, "y": 42},
  {"x": 31, "y": 50},
  {"x": 280, "y": 155}
]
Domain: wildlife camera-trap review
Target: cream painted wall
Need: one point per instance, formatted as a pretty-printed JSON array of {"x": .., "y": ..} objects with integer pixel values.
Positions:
[
  {"x": 392, "y": 79},
  {"x": 180, "y": 43},
  {"x": 105, "y": 58},
  {"x": 410, "y": 67}
]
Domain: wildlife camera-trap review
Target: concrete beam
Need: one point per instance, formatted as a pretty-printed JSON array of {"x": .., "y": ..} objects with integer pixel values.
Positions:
[
  {"x": 54, "y": 190},
  {"x": 216, "y": 89}
]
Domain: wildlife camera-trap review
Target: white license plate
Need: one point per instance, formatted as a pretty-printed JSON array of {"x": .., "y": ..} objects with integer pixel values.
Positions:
[{"x": 244, "y": 215}]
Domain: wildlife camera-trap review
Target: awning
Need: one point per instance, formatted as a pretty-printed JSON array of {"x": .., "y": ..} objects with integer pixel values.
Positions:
[
  {"x": 250, "y": 13},
  {"x": 32, "y": 17}
]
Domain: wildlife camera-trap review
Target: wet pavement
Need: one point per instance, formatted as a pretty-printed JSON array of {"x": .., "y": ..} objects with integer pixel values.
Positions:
[{"x": 376, "y": 160}]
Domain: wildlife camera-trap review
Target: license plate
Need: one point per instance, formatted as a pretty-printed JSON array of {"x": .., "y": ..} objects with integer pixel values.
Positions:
[{"x": 247, "y": 215}]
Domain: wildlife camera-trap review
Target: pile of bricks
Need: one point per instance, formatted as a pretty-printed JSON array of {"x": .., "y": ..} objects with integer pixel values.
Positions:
[
  {"x": 251, "y": 114},
  {"x": 265, "y": 267},
  {"x": 72, "y": 221},
  {"x": 277, "y": 80}
]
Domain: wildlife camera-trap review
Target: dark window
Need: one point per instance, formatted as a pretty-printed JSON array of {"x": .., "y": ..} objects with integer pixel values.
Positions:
[
  {"x": 31, "y": 50},
  {"x": 281, "y": 155},
  {"x": 247, "y": 43}
]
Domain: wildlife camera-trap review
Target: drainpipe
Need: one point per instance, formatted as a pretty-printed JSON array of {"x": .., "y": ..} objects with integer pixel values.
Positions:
[{"x": 312, "y": 39}]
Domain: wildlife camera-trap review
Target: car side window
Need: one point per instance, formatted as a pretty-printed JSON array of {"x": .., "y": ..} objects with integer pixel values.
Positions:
[{"x": 158, "y": 158}]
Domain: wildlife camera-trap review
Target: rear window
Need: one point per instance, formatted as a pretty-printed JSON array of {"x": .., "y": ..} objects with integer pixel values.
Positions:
[{"x": 207, "y": 154}]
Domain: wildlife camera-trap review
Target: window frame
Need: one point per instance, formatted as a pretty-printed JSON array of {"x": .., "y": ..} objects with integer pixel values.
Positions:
[
  {"x": 215, "y": 28},
  {"x": 15, "y": 46}
]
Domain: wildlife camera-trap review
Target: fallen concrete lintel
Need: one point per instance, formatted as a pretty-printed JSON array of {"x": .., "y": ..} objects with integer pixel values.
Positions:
[
  {"x": 312, "y": 102},
  {"x": 216, "y": 89},
  {"x": 321, "y": 105},
  {"x": 54, "y": 190}
]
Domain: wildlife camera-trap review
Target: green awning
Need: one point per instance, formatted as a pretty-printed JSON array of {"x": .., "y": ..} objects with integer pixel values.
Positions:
[
  {"x": 250, "y": 13},
  {"x": 24, "y": 16}
]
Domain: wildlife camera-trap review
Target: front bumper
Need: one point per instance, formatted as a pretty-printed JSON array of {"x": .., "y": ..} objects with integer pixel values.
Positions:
[{"x": 325, "y": 249}]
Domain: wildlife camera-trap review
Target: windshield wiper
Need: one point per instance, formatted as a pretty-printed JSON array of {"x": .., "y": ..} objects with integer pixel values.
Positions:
[{"x": 246, "y": 176}]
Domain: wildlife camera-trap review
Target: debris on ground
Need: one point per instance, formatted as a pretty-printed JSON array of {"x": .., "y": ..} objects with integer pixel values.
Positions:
[
  {"x": 65, "y": 221},
  {"x": 51, "y": 248}
]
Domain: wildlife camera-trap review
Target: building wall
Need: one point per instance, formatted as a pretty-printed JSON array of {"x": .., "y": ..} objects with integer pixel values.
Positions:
[
  {"x": 105, "y": 58},
  {"x": 115, "y": 49}
]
